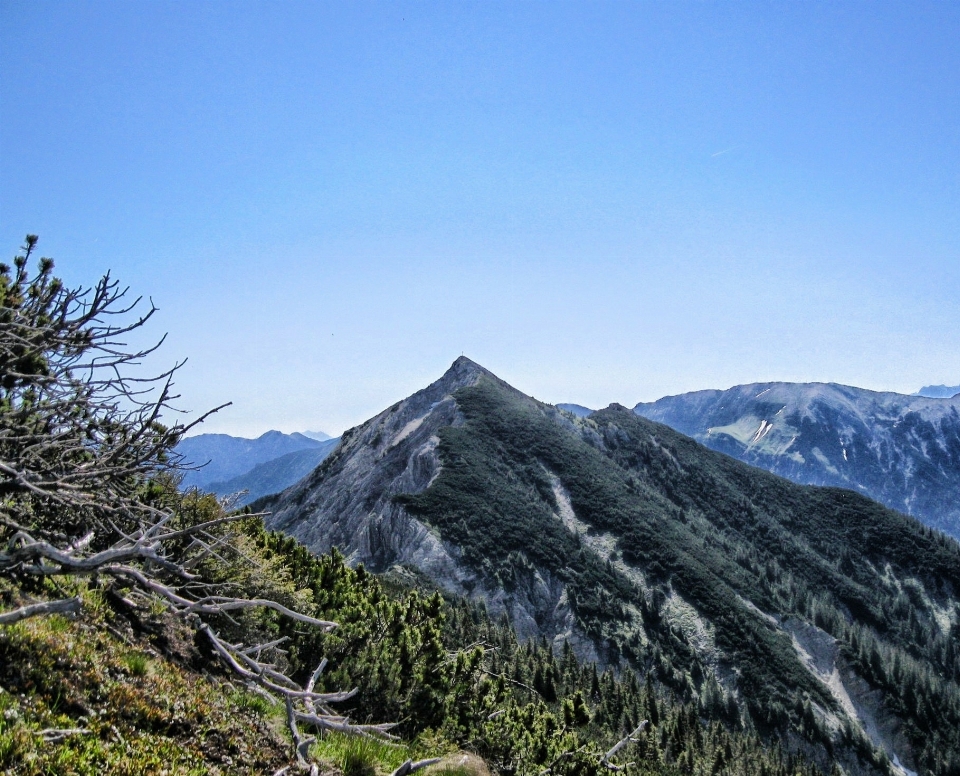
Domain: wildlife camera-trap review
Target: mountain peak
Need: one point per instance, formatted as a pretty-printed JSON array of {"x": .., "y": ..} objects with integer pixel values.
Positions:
[
  {"x": 564, "y": 528},
  {"x": 463, "y": 372},
  {"x": 466, "y": 365},
  {"x": 939, "y": 391}
]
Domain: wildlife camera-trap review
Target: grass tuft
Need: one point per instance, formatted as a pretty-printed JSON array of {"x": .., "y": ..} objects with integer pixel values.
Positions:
[
  {"x": 137, "y": 663},
  {"x": 360, "y": 755},
  {"x": 251, "y": 701}
]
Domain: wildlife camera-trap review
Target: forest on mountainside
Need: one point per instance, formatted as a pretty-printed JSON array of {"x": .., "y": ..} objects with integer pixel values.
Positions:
[
  {"x": 148, "y": 631},
  {"x": 144, "y": 696},
  {"x": 754, "y": 554}
]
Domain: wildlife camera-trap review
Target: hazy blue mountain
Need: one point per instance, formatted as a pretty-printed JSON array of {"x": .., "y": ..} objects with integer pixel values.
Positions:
[
  {"x": 939, "y": 391},
  {"x": 320, "y": 436},
  {"x": 274, "y": 475},
  {"x": 903, "y": 451},
  {"x": 827, "y": 620},
  {"x": 222, "y": 457},
  {"x": 577, "y": 409}
]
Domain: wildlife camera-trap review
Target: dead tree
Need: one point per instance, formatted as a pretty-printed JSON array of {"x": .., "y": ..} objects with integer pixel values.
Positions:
[
  {"x": 604, "y": 760},
  {"x": 630, "y": 738},
  {"x": 80, "y": 430},
  {"x": 82, "y": 450}
]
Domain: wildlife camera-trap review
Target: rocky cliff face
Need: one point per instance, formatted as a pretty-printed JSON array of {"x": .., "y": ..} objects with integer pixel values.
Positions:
[
  {"x": 348, "y": 503},
  {"x": 903, "y": 451}
]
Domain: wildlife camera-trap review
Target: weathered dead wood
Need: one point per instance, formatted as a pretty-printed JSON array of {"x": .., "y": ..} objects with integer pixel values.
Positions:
[
  {"x": 628, "y": 739},
  {"x": 69, "y": 606},
  {"x": 55, "y": 735},
  {"x": 412, "y": 767},
  {"x": 605, "y": 759},
  {"x": 84, "y": 459}
]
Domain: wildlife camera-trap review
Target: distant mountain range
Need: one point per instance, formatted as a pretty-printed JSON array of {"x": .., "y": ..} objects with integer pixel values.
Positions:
[
  {"x": 274, "y": 475},
  {"x": 577, "y": 409},
  {"x": 939, "y": 391},
  {"x": 815, "y": 615},
  {"x": 903, "y": 451},
  {"x": 273, "y": 461}
]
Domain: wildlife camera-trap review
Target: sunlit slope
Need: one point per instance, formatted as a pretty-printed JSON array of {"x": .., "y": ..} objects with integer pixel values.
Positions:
[
  {"x": 828, "y": 619},
  {"x": 903, "y": 451}
]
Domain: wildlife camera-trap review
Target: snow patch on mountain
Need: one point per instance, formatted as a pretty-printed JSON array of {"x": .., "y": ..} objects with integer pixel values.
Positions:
[{"x": 903, "y": 451}]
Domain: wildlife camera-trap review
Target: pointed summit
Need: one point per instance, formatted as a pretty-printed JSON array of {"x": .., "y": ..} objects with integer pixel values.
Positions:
[
  {"x": 464, "y": 372},
  {"x": 392, "y": 453},
  {"x": 463, "y": 360}
]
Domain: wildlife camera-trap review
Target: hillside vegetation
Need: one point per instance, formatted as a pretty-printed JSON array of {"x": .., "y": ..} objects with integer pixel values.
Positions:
[
  {"x": 661, "y": 519},
  {"x": 128, "y": 690}
]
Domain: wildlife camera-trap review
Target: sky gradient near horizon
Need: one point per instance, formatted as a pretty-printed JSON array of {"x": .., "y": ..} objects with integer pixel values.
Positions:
[{"x": 330, "y": 202}]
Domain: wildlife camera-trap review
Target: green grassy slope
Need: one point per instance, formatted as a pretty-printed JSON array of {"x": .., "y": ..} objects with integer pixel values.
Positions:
[{"x": 127, "y": 707}]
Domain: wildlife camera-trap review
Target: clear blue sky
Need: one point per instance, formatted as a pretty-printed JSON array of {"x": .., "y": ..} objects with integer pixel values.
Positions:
[{"x": 597, "y": 201}]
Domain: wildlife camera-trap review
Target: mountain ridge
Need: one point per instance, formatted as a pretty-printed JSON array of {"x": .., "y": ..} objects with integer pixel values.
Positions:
[
  {"x": 939, "y": 391},
  {"x": 639, "y": 547},
  {"x": 274, "y": 475},
  {"x": 901, "y": 450},
  {"x": 210, "y": 458}
]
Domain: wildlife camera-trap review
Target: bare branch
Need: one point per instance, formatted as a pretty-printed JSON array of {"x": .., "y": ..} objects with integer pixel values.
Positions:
[
  {"x": 70, "y": 606},
  {"x": 628, "y": 739},
  {"x": 412, "y": 767},
  {"x": 87, "y": 473},
  {"x": 518, "y": 683},
  {"x": 55, "y": 735}
]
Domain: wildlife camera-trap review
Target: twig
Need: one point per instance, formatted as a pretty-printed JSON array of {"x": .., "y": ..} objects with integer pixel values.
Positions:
[
  {"x": 628, "y": 739},
  {"x": 53, "y": 735}
]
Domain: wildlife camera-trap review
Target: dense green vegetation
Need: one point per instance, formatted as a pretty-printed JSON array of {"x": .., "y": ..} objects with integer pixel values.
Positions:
[
  {"x": 745, "y": 548},
  {"x": 92, "y": 696},
  {"x": 149, "y": 699},
  {"x": 448, "y": 674}
]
